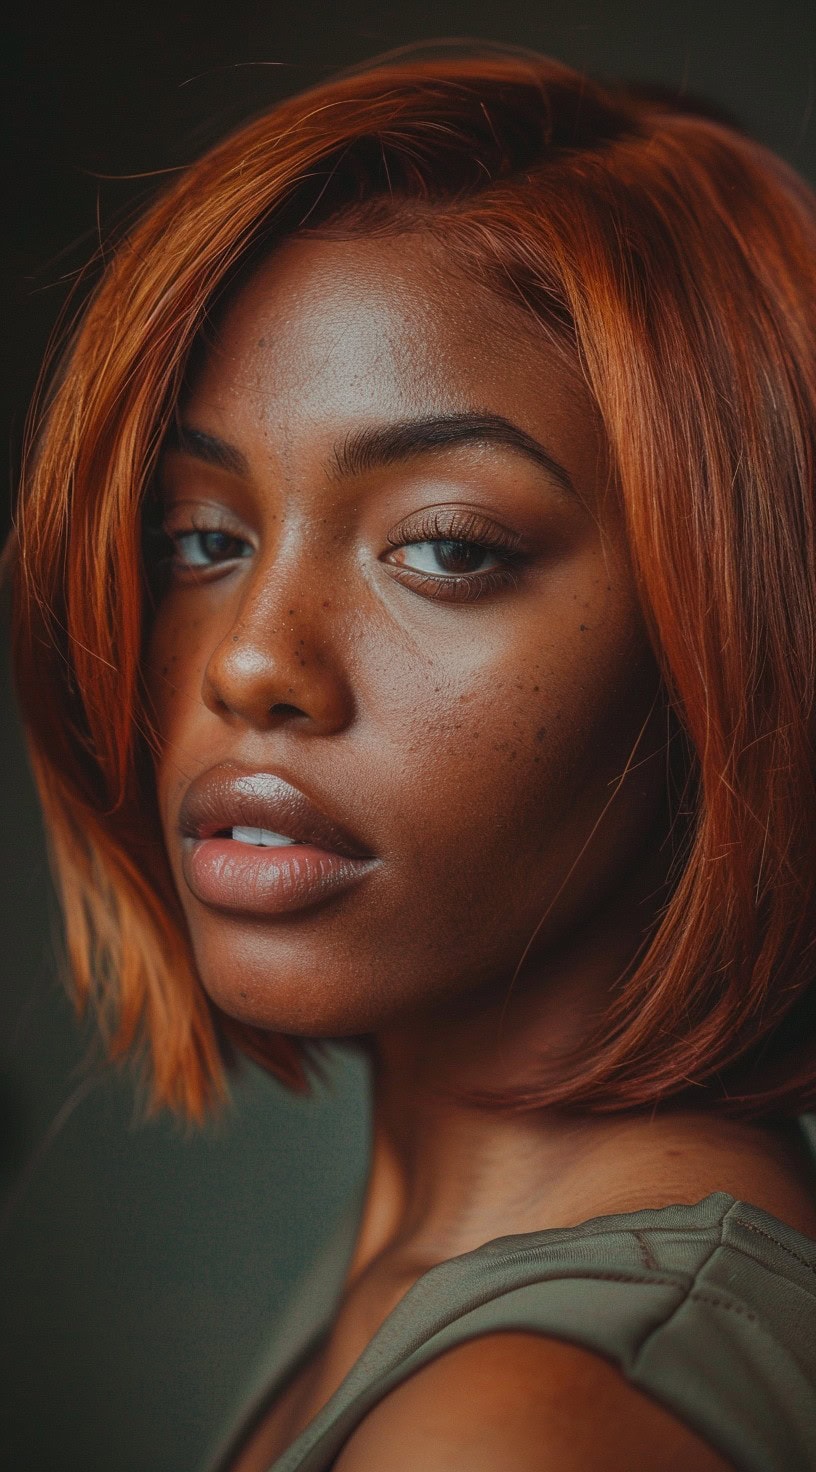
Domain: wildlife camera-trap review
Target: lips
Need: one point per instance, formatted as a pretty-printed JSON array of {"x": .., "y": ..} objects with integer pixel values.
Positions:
[{"x": 225, "y": 797}]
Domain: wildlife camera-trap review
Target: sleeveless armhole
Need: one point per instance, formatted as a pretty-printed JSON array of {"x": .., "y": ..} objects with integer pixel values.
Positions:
[{"x": 709, "y": 1309}]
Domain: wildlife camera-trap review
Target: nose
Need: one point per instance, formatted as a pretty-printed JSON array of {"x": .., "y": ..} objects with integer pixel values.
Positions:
[{"x": 277, "y": 661}]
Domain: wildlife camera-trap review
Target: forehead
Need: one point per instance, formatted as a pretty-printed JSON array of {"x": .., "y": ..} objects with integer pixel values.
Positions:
[{"x": 330, "y": 334}]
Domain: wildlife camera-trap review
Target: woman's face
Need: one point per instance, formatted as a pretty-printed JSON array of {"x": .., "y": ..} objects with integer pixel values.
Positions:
[{"x": 427, "y": 626}]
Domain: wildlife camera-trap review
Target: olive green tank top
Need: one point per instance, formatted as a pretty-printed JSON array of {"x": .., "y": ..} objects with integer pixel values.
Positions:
[{"x": 710, "y": 1309}]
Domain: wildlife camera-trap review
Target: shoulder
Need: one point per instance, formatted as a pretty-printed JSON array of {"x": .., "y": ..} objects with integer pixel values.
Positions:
[{"x": 522, "y": 1400}]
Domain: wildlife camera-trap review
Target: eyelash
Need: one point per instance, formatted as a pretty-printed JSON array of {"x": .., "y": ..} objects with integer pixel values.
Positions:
[
  {"x": 453, "y": 528},
  {"x": 461, "y": 529},
  {"x": 210, "y": 524}
]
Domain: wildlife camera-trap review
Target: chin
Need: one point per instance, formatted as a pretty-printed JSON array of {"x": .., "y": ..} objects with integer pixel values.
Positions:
[{"x": 298, "y": 1006}]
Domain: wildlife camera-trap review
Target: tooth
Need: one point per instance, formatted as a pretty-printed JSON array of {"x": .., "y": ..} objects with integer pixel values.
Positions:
[{"x": 261, "y": 836}]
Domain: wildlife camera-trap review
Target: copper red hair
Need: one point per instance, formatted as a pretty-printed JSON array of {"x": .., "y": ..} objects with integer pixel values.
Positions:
[{"x": 675, "y": 259}]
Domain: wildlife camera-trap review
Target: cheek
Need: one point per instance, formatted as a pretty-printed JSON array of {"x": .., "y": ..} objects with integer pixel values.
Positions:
[
  {"x": 487, "y": 761},
  {"x": 508, "y": 766}
]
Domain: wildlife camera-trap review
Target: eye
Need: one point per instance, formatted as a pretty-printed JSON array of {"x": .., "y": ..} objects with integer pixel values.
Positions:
[
  {"x": 197, "y": 545},
  {"x": 446, "y": 556},
  {"x": 203, "y": 547}
]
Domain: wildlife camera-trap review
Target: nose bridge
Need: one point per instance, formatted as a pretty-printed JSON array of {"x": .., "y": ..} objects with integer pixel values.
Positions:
[{"x": 281, "y": 647}]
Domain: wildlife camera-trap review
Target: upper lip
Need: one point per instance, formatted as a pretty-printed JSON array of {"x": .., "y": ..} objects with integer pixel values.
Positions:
[{"x": 226, "y": 797}]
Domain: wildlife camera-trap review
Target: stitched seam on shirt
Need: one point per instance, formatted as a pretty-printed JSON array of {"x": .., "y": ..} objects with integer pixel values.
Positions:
[
  {"x": 566, "y": 1234},
  {"x": 692, "y": 1290},
  {"x": 421, "y": 1334},
  {"x": 647, "y": 1256},
  {"x": 584, "y": 1272},
  {"x": 791, "y": 1251},
  {"x": 729, "y": 1304},
  {"x": 556, "y": 1271}
]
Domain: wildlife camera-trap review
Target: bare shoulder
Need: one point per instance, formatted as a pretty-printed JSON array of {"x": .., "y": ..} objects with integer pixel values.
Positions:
[{"x": 522, "y": 1401}]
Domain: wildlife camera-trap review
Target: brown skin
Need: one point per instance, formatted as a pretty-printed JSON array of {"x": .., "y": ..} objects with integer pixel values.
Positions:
[
  {"x": 586, "y": 1416},
  {"x": 473, "y": 745}
]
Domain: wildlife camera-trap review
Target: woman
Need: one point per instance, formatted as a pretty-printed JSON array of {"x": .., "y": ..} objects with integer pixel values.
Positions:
[{"x": 428, "y": 488}]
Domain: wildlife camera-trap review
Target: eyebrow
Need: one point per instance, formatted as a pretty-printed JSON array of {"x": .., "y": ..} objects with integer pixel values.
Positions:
[
  {"x": 377, "y": 446},
  {"x": 365, "y": 449},
  {"x": 207, "y": 447}
]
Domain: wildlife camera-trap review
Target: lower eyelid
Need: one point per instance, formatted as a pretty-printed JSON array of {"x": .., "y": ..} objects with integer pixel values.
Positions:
[{"x": 456, "y": 587}]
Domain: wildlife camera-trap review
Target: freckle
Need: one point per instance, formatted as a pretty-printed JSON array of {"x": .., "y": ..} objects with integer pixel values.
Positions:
[
  {"x": 300, "y": 641},
  {"x": 536, "y": 759},
  {"x": 541, "y": 733},
  {"x": 165, "y": 668},
  {"x": 261, "y": 344},
  {"x": 291, "y": 610},
  {"x": 535, "y": 687},
  {"x": 290, "y": 691},
  {"x": 582, "y": 626}
]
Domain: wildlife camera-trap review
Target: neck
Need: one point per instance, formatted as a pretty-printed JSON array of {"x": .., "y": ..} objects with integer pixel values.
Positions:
[
  {"x": 445, "y": 1179},
  {"x": 447, "y": 1176}
]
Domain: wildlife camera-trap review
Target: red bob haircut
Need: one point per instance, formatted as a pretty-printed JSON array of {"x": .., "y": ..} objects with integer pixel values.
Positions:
[{"x": 674, "y": 259}]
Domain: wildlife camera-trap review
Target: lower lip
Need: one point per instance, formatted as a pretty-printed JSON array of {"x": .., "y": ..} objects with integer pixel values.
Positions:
[{"x": 266, "y": 881}]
